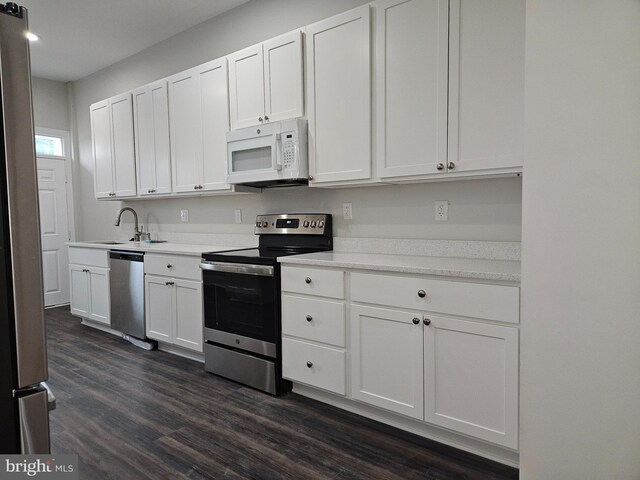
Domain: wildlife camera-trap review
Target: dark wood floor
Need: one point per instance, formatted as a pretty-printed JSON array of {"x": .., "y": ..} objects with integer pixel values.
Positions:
[{"x": 133, "y": 414}]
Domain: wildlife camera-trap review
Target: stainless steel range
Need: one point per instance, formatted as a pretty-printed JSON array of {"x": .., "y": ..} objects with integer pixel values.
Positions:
[{"x": 242, "y": 299}]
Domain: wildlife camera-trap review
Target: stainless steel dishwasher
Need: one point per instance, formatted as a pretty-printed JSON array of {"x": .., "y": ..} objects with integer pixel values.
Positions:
[{"x": 127, "y": 296}]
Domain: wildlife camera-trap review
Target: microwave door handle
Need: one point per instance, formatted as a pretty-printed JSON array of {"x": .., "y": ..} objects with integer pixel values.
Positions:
[{"x": 276, "y": 153}]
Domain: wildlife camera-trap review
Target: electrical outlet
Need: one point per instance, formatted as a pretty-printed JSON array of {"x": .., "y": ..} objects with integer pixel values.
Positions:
[
  {"x": 238, "y": 215},
  {"x": 347, "y": 211},
  {"x": 184, "y": 215},
  {"x": 442, "y": 210}
]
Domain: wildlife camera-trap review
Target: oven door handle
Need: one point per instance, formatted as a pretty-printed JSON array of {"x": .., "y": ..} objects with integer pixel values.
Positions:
[{"x": 262, "y": 270}]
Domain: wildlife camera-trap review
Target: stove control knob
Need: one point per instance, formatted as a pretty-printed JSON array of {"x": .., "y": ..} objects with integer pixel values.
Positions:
[
  {"x": 313, "y": 224},
  {"x": 305, "y": 224},
  {"x": 258, "y": 224},
  {"x": 265, "y": 224},
  {"x": 321, "y": 224}
]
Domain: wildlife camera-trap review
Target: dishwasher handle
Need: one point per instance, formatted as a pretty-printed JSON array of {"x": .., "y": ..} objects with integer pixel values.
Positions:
[{"x": 128, "y": 256}]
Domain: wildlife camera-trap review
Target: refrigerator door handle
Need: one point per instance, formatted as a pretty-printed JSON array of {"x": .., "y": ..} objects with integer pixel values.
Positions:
[{"x": 34, "y": 423}]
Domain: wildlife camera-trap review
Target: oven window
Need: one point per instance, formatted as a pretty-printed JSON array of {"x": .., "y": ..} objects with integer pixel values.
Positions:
[
  {"x": 251, "y": 159},
  {"x": 241, "y": 304}
]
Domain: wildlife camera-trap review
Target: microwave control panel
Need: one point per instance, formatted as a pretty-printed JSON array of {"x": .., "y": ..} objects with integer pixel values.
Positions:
[{"x": 288, "y": 151}]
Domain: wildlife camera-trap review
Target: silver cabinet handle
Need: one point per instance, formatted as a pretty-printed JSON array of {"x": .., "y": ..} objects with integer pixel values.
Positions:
[
  {"x": 307, "y": 280},
  {"x": 263, "y": 270},
  {"x": 309, "y": 364},
  {"x": 440, "y": 166},
  {"x": 422, "y": 293},
  {"x": 309, "y": 318},
  {"x": 451, "y": 165},
  {"x": 426, "y": 321},
  {"x": 415, "y": 320}
]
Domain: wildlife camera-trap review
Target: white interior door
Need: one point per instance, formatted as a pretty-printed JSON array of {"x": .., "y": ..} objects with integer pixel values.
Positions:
[{"x": 54, "y": 229}]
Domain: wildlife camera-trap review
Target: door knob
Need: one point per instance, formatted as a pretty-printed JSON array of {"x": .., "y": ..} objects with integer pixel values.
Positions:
[
  {"x": 307, "y": 280},
  {"x": 451, "y": 165},
  {"x": 309, "y": 318},
  {"x": 309, "y": 364},
  {"x": 426, "y": 321},
  {"x": 422, "y": 293},
  {"x": 440, "y": 166},
  {"x": 415, "y": 320}
]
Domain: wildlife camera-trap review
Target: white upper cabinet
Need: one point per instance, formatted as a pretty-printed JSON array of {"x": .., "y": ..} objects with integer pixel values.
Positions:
[
  {"x": 151, "y": 128},
  {"x": 265, "y": 81},
  {"x": 339, "y": 97},
  {"x": 199, "y": 121},
  {"x": 113, "y": 147},
  {"x": 486, "y": 86},
  {"x": 411, "y": 38}
]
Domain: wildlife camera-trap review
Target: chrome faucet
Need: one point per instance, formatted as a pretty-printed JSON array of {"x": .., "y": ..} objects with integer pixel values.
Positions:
[{"x": 138, "y": 233}]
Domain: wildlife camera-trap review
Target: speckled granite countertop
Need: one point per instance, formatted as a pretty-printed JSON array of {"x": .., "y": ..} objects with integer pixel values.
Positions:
[{"x": 471, "y": 268}]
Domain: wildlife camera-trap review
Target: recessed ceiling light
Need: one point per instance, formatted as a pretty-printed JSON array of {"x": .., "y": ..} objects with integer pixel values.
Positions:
[{"x": 32, "y": 37}]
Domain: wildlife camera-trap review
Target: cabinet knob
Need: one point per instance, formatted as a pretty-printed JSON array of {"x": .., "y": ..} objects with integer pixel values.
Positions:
[
  {"x": 195, "y": 187},
  {"x": 307, "y": 280},
  {"x": 451, "y": 165},
  {"x": 169, "y": 283},
  {"x": 426, "y": 321},
  {"x": 169, "y": 265},
  {"x": 260, "y": 119},
  {"x": 440, "y": 166},
  {"x": 310, "y": 177},
  {"x": 309, "y": 318},
  {"x": 422, "y": 293},
  {"x": 415, "y": 320},
  {"x": 266, "y": 118},
  {"x": 309, "y": 364}
]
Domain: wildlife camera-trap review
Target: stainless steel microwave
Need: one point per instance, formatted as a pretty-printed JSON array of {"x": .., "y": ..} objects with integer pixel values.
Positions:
[{"x": 273, "y": 154}]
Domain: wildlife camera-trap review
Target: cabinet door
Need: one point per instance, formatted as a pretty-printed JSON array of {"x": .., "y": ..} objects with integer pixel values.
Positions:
[
  {"x": 386, "y": 360},
  {"x": 79, "y": 283},
  {"x": 188, "y": 308},
  {"x": 159, "y": 308},
  {"x": 101, "y": 148},
  {"x": 186, "y": 131},
  {"x": 283, "y": 77},
  {"x": 486, "y": 85},
  {"x": 411, "y": 86},
  {"x": 246, "y": 87},
  {"x": 214, "y": 99},
  {"x": 99, "y": 294},
  {"x": 339, "y": 97},
  {"x": 471, "y": 379},
  {"x": 151, "y": 122},
  {"x": 123, "y": 155}
]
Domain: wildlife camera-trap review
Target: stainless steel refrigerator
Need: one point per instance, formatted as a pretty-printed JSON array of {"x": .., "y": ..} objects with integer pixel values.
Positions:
[{"x": 24, "y": 417}]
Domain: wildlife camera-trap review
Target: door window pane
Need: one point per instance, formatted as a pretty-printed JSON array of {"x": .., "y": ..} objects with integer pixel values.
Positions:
[{"x": 49, "y": 146}]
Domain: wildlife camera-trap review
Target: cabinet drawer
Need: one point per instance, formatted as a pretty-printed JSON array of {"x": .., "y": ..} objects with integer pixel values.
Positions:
[
  {"x": 321, "y": 367},
  {"x": 89, "y": 256},
  {"x": 313, "y": 281},
  {"x": 312, "y": 319},
  {"x": 490, "y": 302},
  {"x": 177, "y": 266}
]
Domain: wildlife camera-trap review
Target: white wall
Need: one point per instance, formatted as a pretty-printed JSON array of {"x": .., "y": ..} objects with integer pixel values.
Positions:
[
  {"x": 488, "y": 209},
  {"x": 580, "y": 344},
  {"x": 50, "y": 108}
]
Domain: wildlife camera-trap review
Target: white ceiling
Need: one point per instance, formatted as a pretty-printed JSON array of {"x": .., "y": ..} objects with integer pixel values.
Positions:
[{"x": 80, "y": 37}]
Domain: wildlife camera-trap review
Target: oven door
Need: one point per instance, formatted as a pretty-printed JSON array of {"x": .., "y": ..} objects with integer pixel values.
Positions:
[{"x": 241, "y": 306}]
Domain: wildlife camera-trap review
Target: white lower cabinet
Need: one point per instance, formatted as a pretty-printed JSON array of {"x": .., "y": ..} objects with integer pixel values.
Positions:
[
  {"x": 173, "y": 305},
  {"x": 89, "y": 284},
  {"x": 386, "y": 360},
  {"x": 471, "y": 378},
  {"x": 437, "y": 352}
]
